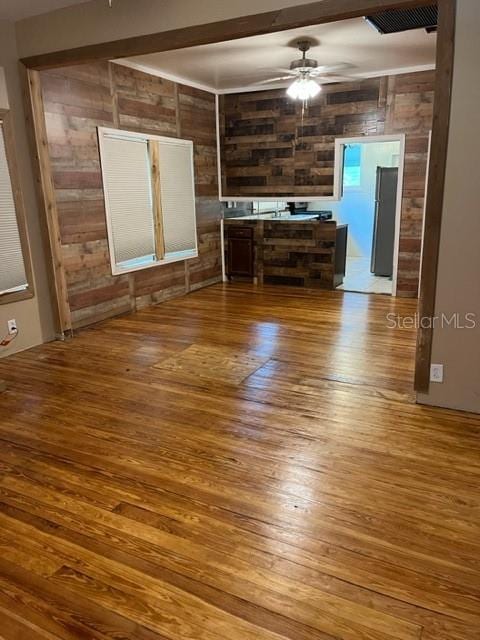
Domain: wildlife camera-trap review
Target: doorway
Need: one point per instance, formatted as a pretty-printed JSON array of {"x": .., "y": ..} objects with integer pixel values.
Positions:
[
  {"x": 243, "y": 26},
  {"x": 370, "y": 200}
]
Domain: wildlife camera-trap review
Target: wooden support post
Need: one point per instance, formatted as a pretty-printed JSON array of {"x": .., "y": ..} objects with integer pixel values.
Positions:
[
  {"x": 46, "y": 200},
  {"x": 436, "y": 188},
  {"x": 154, "y": 153}
]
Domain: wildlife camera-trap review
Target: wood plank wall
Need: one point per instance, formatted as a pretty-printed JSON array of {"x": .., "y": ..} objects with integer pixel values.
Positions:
[
  {"x": 268, "y": 150},
  {"x": 76, "y": 101},
  {"x": 410, "y": 110}
]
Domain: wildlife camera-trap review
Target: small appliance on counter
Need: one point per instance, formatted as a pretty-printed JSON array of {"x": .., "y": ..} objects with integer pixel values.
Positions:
[{"x": 301, "y": 208}]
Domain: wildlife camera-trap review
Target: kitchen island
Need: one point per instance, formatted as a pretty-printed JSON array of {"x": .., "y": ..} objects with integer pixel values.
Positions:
[{"x": 289, "y": 250}]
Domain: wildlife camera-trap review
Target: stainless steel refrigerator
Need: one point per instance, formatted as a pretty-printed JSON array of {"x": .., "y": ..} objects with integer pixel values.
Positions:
[{"x": 384, "y": 222}]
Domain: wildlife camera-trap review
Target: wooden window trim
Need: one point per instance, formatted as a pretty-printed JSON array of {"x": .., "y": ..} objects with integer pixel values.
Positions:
[
  {"x": 29, "y": 292},
  {"x": 154, "y": 154}
]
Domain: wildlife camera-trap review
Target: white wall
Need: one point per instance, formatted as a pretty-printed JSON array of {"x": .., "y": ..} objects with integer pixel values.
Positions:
[
  {"x": 4, "y": 103},
  {"x": 458, "y": 287},
  {"x": 33, "y": 316},
  {"x": 357, "y": 207}
]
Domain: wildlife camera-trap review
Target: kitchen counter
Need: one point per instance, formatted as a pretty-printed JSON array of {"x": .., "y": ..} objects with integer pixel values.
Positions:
[
  {"x": 284, "y": 217},
  {"x": 290, "y": 250}
]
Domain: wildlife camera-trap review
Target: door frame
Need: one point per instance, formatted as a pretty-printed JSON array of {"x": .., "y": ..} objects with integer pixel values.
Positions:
[
  {"x": 425, "y": 199},
  {"x": 340, "y": 144},
  {"x": 319, "y": 12}
]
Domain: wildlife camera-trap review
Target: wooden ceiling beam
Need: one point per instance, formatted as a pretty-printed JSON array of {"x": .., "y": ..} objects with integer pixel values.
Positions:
[{"x": 320, "y": 12}]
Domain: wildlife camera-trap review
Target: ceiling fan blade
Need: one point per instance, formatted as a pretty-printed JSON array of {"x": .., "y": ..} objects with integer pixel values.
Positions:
[
  {"x": 279, "y": 79},
  {"x": 333, "y": 77},
  {"x": 284, "y": 70},
  {"x": 327, "y": 69}
]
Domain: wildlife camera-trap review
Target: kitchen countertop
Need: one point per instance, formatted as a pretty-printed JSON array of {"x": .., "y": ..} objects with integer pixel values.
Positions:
[{"x": 284, "y": 217}]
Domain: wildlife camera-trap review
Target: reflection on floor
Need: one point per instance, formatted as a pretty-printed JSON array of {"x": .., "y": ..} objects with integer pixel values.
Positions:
[{"x": 359, "y": 278}]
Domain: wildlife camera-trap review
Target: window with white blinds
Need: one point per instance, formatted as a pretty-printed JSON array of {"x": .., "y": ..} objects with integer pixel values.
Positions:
[
  {"x": 143, "y": 201},
  {"x": 13, "y": 276},
  {"x": 128, "y": 195},
  {"x": 178, "y": 196}
]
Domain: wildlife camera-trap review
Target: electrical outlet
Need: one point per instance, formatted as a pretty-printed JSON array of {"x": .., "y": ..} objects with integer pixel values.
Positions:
[
  {"x": 12, "y": 326},
  {"x": 436, "y": 373}
]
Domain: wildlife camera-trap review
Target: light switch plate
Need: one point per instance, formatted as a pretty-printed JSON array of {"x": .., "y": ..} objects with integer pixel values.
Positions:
[
  {"x": 12, "y": 326},
  {"x": 436, "y": 373}
]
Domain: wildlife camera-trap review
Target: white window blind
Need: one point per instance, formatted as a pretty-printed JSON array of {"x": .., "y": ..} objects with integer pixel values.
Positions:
[
  {"x": 128, "y": 195},
  {"x": 12, "y": 267},
  {"x": 178, "y": 197},
  {"x": 149, "y": 189}
]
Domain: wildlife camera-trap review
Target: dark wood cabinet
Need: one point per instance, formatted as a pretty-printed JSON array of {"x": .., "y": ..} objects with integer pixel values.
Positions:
[
  {"x": 340, "y": 254},
  {"x": 240, "y": 251},
  {"x": 304, "y": 253}
]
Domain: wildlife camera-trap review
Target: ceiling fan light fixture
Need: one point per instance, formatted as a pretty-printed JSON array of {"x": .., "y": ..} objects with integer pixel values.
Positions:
[{"x": 304, "y": 89}]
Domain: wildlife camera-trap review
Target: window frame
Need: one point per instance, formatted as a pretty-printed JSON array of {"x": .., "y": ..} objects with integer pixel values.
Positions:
[
  {"x": 8, "y": 135},
  {"x": 357, "y": 186},
  {"x": 179, "y": 256}
]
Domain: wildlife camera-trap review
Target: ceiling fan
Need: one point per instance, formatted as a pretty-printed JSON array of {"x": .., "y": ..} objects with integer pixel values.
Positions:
[{"x": 307, "y": 75}]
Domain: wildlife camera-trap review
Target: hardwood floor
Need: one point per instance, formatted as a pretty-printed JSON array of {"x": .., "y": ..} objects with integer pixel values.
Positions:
[{"x": 238, "y": 464}]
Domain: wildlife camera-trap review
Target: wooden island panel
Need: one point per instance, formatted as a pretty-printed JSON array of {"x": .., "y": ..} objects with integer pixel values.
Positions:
[
  {"x": 292, "y": 253},
  {"x": 301, "y": 254}
]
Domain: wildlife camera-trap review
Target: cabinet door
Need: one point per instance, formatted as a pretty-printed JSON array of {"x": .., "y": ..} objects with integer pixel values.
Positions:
[{"x": 240, "y": 257}]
